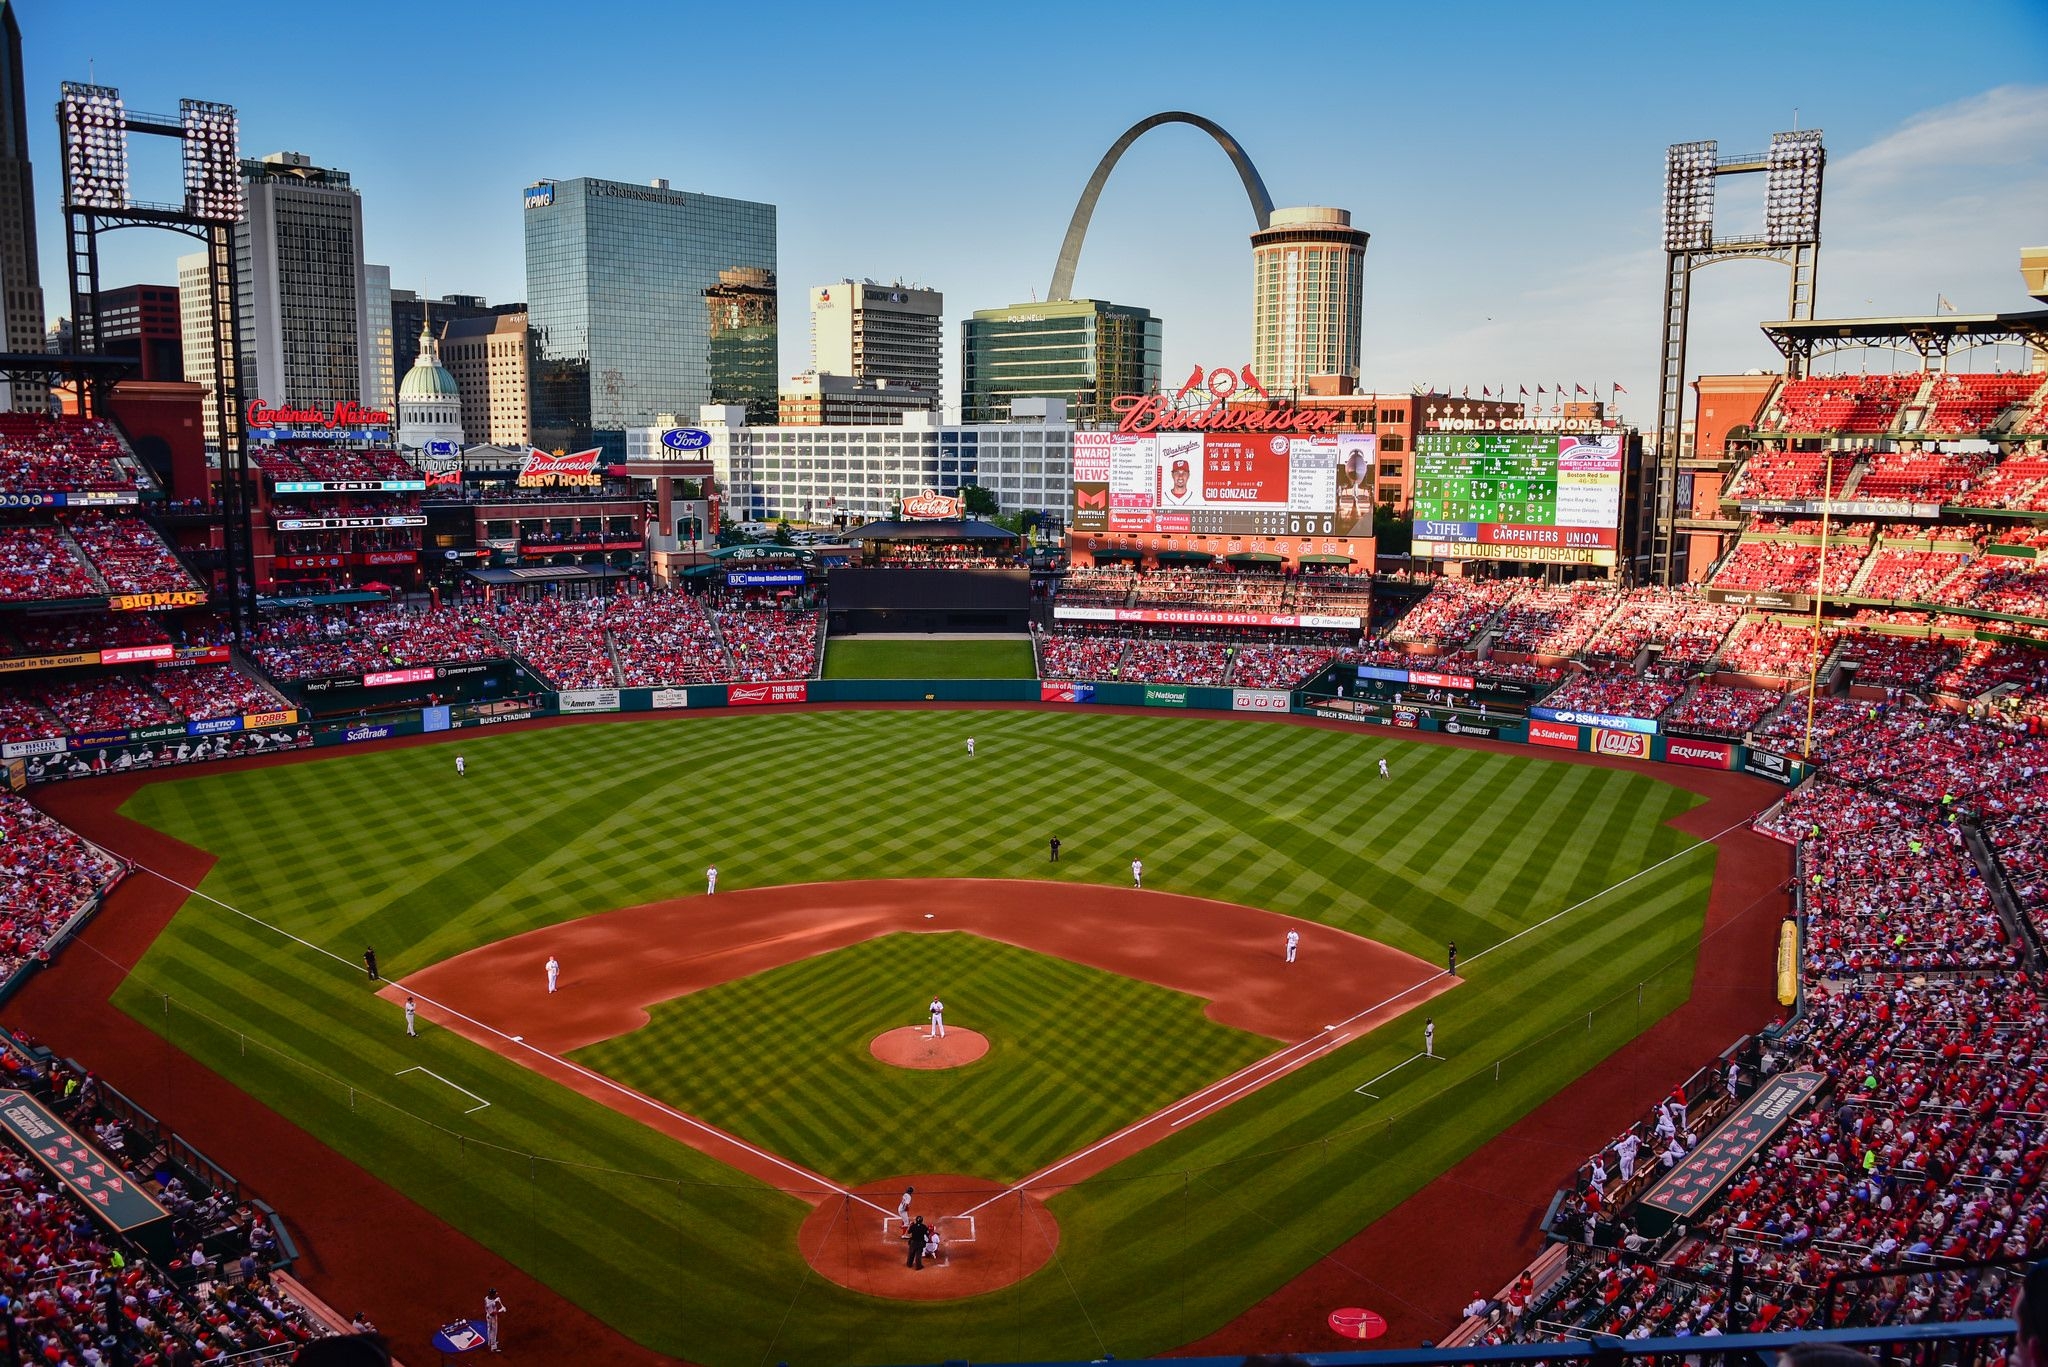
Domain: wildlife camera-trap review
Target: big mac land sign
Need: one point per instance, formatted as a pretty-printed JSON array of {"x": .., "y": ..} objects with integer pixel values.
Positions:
[{"x": 576, "y": 469}]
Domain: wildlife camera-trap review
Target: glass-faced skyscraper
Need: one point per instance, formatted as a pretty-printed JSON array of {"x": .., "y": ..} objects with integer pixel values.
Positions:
[
  {"x": 619, "y": 284},
  {"x": 1085, "y": 351}
]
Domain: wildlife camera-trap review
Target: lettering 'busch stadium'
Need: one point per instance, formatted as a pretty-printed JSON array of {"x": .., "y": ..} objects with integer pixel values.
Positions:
[{"x": 1538, "y": 496}]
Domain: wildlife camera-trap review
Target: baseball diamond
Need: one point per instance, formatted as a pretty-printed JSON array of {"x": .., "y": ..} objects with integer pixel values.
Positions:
[{"x": 1276, "y": 822}]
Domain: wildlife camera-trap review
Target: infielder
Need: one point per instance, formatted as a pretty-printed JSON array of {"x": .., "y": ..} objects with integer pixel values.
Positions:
[
  {"x": 461, "y": 768},
  {"x": 410, "y": 1011},
  {"x": 554, "y": 972},
  {"x": 1429, "y": 1039},
  {"x": 1137, "y": 873},
  {"x": 938, "y": 1010},
  {"x": 711, "y": 880},
  {"x": 494, "y": 1309},
  {"x": 1293, "y": 939}
]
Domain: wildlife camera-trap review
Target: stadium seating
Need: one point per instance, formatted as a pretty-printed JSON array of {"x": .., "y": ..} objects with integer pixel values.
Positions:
[
  {"x": 2020, "y": 481},
  {"x": 203, "y": 692},
  {"x": 1546, "y": 620},
  {"x": 1906, "y": 574},
  {"x": 770, "y": 644},
  {"x": 1966, "y": 404},
  {"x": 1894, "y": 661},
  {"x": 1790, "y": 566},
  {"x": 1841, "y": 403},
  {"x": 1618, "y": 692},
  {"x": 1078, "y": 655},
  {"x": 128, "y": 554},
  {"x": 1723, "y": 710},
  {"x": 50, "y": 874},
  {"x": 38, "y": 562},
  {"x": 1792, "y": 475},
  {"x": 1453, "y": 611},
  {"x": 1770, "y": 646},
  {"x": 1689, "y": 628},
  {"x": 41, "y": 454},
  {"x": 355, "y": 640},
  {"x": 1914, "y": 474},
  {"x": 666, "y": 638},
  {"x": 563, "y": 642}
]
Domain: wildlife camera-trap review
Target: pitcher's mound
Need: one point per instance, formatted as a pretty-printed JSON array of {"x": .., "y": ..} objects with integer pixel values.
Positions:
[{"x": 911, "y": 1047}]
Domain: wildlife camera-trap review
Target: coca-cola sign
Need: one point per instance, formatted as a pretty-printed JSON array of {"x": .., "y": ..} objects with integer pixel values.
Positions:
[
  {"x": 576, "y": 469},
  {"x": 932, "y": 505}
]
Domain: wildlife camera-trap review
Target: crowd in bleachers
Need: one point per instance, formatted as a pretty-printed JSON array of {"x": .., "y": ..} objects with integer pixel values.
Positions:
[
  {"x": 1917, "y": 474},
  {"x": 1454, "y": 610},
  {"x": 1841, "y": 403},
  {"x": 217, "y": 690},
  {"x": 1688, "y": 627},
  {"x": 363, "y": 638},
  {"x": 646, "y": 639},
  {"x": 129, "y": 554},
  {"x": 38, "y": 562},
  {"x": 1554, "y": 619},
  {"x": 1619, "y": 692},
  {"x": 1894, "y": 661},
  {"x": 1772, "y": 646},
  {"x": 1965, "y": 404},
  {"x": 302, "y": 463},
  {"x": 1729, "y": 711},
  {"x": 40, "y": 454},
  {"x": 47, "y": 874},
  {"x": 1908, "y": 574},
  {"x": 563, "y": 641},
  {"x": 1792, "y": 474},
  {"x": 1790, "y": 566},
  {"x": 769, "y": 644}
]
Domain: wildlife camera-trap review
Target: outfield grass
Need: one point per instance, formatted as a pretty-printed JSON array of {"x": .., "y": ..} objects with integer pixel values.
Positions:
[
  {"x": 858, "y": 659},
  {"x": 1074, "y": 1053},
  {"x": 387, "y": 849}
]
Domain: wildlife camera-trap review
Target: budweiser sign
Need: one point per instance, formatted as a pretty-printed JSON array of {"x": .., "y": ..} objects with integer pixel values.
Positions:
[
  {"x": 1141, "y": 413},
  {"x": 343, "y": 414},
  {"x": 544, "y": 471},
  {"x": 933, "y": 505}
]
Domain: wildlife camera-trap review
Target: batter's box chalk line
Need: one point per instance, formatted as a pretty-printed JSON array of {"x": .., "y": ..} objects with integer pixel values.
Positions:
[
  {"x": 953, "y": 1220},
  {"x": 480, "y": 1102},
  {"x": 1365, "y": 1089}
]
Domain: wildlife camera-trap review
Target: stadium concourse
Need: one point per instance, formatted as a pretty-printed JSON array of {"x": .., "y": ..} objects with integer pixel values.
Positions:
[{"x": 1912, "y": 1141}]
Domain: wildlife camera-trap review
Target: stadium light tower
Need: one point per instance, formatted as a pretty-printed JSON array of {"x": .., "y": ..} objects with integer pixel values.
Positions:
[
  {"x": 1792, "y": 170},
  {"x": 93, "y": 124}
]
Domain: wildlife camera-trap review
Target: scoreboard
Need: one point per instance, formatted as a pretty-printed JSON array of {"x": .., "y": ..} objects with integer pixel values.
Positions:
[
  {"x": 1536, "y": 496},
  {"x": 1220, "y": 484}
]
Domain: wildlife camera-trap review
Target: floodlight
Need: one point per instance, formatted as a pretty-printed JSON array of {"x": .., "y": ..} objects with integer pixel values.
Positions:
[
  {"x": 95, "y": 146},
  {"x": 1792, "y": 196},
  {"x": 213, "y": 161},
  {"x": 1689, "y": 196}
]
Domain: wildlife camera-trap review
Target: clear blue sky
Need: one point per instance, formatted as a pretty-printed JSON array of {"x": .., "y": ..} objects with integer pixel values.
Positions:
[{"x": 1506, "y": 158}]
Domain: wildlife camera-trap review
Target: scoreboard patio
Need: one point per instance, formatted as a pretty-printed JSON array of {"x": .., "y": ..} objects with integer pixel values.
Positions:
[{"x": 1531, "y": 496}]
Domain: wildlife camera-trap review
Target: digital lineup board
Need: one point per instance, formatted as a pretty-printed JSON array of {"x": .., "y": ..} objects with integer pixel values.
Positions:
[
  {"x": 1535, "y": 496},
  {"x": 1221, "y": 483}
]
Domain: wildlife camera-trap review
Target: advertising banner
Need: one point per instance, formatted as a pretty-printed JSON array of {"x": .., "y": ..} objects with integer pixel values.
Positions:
[
  {"x": 78, "y": 1167},
  {"x": 933, "y": 506},
  {"x": 1536, "y": 555},
  {"x": 1162, "y": 695},
  {"x": 1767, "y": 765},
  {"x": 1488, "y": 730},
  {"x": 1260, "y": 700},
  {"x": 148, "y": 750},
  {"x": 1683, "y": 1192},
  {"x": 213, "y": 726},
  {"x": 1065, "y": 692},
  {"x": 1552, "y": 734},
  {"x": 69, "y": 498},
  {"x": 760, "y": 694},
  {"x": 764, "y": 579},
  {"x": 588, "y": 700},
  {"x": 21, "y": 663},
  {"x": 397, "y": 676},
  {"x": 350, "y": 524},
  {"x": 146, "y": 602},
  {"x": 1760, "y": 598},
  {"x": 1700, "y": 754},
  {"x": 1450, "y": 681},
  {"x": 387, "y": 557},
  {"x": 1621, "y": 744},
  {"x": 1645, "y": 725},
  {"x": 308, "y": 562},
  {"x": 434, "y": 718},
  {"x": 351, "y": 486},
  {"x": 577, "y": 469},
  {"x": 1201, "y": 617},
  {"x": 42, "y": 745},
  {"x": 665, "y": 699}
]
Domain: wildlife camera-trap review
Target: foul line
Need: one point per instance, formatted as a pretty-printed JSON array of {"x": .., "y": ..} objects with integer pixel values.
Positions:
[
  {"x": 481, "y": 1103},
  {"x": 811, "y": 1179},
  {"x": 1364, "y": 1088},
  {"x": 1332, "y": 1035}
]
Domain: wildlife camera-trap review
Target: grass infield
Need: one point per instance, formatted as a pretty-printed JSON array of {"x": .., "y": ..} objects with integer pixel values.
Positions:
[
  {"x": 1057, "y": 1031},
  {"x": 389, "y": 848},
  {"x": 857, "y": 659}
]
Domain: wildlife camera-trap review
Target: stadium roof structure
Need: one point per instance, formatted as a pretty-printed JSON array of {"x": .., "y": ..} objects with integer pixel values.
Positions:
[
  {"x": 1800, "y": 340},
  {"x": 937, "y": 529}
]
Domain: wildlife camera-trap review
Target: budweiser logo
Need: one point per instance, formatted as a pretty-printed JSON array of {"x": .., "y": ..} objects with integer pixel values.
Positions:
[
  {"x": 575, "y": 467},
  {"x": 345, "y": 414},
  {"x": 747, "y": 693},
  {"x": 1141, "y": 413}
]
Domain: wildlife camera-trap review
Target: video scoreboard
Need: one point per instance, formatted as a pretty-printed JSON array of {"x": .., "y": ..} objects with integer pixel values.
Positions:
[
  {"x": 1536, "y": 496},
  {"x": 1221, "y": 484}
]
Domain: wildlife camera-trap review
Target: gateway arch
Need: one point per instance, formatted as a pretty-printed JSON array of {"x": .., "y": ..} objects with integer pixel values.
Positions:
[{"x": 1077, "y": 230}]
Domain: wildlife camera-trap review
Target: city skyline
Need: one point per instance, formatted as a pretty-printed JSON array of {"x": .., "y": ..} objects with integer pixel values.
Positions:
[{"x": 1515, "y": 232}]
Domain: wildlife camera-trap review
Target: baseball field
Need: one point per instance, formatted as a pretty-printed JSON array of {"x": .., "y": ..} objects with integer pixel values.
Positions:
[{"x": 1576, "y": 908}]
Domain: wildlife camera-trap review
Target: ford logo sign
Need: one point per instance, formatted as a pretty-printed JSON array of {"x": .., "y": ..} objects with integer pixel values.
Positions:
[{"x": 686, "y": 439}]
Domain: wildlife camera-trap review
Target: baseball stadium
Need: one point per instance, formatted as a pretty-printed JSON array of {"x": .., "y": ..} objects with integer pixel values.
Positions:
[{"x": 571, "y": 896}]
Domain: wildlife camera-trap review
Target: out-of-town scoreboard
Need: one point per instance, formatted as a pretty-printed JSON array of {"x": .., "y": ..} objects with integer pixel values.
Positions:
[{"x": 1534, "y": 496}]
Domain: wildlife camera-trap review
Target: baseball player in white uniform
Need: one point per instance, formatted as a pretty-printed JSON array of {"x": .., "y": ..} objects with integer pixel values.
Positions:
[
  {"x": 1293, "y": 942},
  {"x": 410, "y": 1011},
  {"x": 494, "y": 1310},
  {"x": 711, "y": 880},
  {"x": 461, "y": 766},
  {"x": 1383, "y": 770},
  {"x": 554, "y": 972},
  {"x": 1429, "y": 1039},
  {"x": 1137, "y": 873},
  {"x": 938, "y": 1010},
  {"x": 970, "y": 747},
  {"x": 903, "y": 1207}
]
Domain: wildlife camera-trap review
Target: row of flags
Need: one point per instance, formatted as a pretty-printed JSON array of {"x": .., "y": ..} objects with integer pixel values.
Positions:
[{"x": 1522, "y": 391}]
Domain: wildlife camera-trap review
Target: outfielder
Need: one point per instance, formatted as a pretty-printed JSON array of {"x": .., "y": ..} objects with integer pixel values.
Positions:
[
  {"x": 461, "y": 767},
  {"x": 938, "y": 1010},
  {"x": 554, "y": 972},
  {"x": 970, "y": 747},
  {"x": 1137, "y": 873},
  {"x": 1293, "y": 939},
  {"x": 1383, "y": 770},
  {"x": 711, "y": 880}
]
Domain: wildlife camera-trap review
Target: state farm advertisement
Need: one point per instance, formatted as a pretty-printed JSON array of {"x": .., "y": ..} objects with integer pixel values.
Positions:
[
  {"x": 1701, "y": 754},
  {"x": 761, "y": 694},
  {"x": 1551, "y": 734}
]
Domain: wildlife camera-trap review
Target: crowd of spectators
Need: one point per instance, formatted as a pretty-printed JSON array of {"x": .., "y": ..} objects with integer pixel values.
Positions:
[
  {"x": 1224, "y": 590},
  {"x": 1106, "y": 586},
  {"x": 769, "y": 644},
  {"x": 47, "y": 875},
  {"x": 43, "y": 454},
  {"x": 1790, "y": 566},
  {"x": 129, "y": 554},
  {"x": 1619, "y": 692},
  {"x": 561, "y": 640},
  {"x": 1687, "y": 627},
  {"x": 109, "y": 702},
  {"x": 1792, "y": 475},
  {"x": 81, "y": 631},
  {"x": 365, "y": 638},
  {"x": 39, "y": 562},
  {"x": 1554, "y": 619},
  {"x": 1999, "y": 583},
  {"x": 1454, "y": 610},
  {"x": 203, "y": 692},
  {"x": 1775, "y": 647},
  {"x": 2020, "y": 482},
  {"x": 330, "y": 463},
  {"x": 1908, "y": 574},
  {"x": 1066, "y": 654},
  {"x": 1841, "y": 403},
  {"x": 1728, "y": 711},
  {"x": 1894, "y": 661},
  {"x": 1917, "y": 474},
  {"x": 1965, "y": 404},
  {"x": 666, "y": 638}
]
